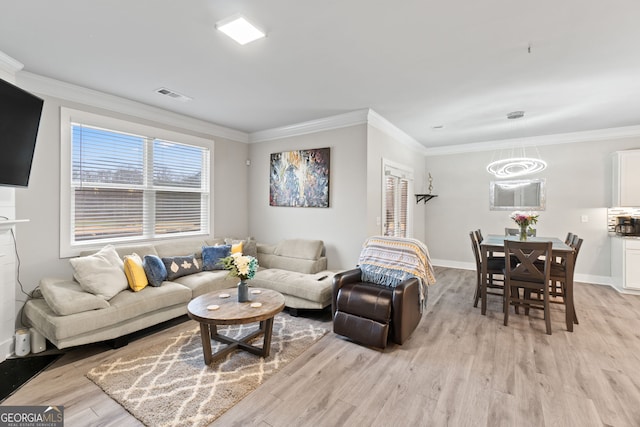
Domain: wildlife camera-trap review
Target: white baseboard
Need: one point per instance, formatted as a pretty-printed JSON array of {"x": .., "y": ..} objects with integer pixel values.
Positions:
[
  {"x": 454, "y": 264},
  {"x": 582, "y": 278}
]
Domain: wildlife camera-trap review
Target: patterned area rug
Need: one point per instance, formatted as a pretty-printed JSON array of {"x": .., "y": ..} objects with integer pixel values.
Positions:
[{"x": 169, "y": 385}]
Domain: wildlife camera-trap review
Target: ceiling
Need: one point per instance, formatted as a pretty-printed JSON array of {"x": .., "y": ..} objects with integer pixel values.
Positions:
[{"x": 571, "y": 65}]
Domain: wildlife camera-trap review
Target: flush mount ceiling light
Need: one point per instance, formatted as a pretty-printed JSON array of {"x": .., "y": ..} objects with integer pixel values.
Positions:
[
  {"x": 240, "y": 29},
  {"x": 515, "y": 166}
]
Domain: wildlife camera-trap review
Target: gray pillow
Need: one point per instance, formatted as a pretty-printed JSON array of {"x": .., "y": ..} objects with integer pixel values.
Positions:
[
  {"x": 179, "y": 266},
  {"x": 249, "y": 245},
  {"x": 67, "y": 297},
  {"x": 101, "y": 274}
]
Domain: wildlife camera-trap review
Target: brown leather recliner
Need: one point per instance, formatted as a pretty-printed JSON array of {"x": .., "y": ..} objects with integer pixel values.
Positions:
[{"x": 366, "y": 312}]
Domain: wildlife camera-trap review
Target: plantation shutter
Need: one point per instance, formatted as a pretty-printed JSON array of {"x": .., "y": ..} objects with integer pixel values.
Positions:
[
  {"x": 397, "y": 183},
  {"x": 127, "y": 186}
]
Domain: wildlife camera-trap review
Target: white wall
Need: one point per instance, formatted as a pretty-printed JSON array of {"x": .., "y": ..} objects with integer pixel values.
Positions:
[
  {"x": 380, "y": 146},
  {"x": 38, "y": 241},
  {"x": 578, "y": 183},
  {"x": 341, "y": 226}
]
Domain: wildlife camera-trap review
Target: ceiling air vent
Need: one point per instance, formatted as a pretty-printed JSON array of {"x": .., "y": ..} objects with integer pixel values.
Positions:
[{"x": 172, "y": 94}]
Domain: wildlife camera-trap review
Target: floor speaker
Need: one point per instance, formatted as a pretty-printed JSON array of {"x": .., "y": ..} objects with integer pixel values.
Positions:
[
  {"x": 38, "y": 343},
  {"x": 23, "y": 343}
]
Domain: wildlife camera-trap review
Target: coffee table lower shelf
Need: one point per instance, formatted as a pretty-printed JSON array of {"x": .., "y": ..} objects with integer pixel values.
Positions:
[{"x": 210, "y": 332}]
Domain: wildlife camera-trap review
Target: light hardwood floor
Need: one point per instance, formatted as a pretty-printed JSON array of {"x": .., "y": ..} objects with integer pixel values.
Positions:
[{"x": 458, "y": 369}]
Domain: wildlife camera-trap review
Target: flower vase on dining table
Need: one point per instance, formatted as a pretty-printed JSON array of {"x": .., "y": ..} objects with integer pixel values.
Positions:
[
  {"x": 243, "y": 291},
  {"x": 523, "y": 232}
]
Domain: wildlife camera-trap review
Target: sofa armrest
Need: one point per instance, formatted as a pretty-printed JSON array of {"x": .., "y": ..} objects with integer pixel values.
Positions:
[{"x": 339, "y": 280}]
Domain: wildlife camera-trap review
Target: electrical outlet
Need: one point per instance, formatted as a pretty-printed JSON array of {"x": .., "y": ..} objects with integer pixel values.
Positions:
[{"x": 584, "y": 218}]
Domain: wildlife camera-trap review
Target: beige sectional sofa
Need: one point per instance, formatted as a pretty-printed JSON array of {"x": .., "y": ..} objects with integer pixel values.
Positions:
[{"x": 68, "y": 316}]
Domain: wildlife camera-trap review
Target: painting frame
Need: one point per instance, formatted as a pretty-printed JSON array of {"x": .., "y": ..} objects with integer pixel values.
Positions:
[{"x": 300, "y": 178}]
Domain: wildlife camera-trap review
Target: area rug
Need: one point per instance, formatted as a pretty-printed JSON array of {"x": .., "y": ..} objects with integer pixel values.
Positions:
[{"x": 168, "y": 384}]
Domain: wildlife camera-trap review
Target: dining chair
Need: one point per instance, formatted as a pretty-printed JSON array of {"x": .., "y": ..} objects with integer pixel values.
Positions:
[
  {"x": 495, "y": 267},
  {"x": 569, "y": 238},
  {"x": 525, "y": 274},
  {"x": 558, "y": 274},
  {"x": 531, "y": 232}
]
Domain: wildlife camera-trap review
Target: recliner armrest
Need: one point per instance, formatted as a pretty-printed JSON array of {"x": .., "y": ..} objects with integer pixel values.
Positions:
[
  {"x": 406, "y": 312},
  {"x": 341, "y": 279}
]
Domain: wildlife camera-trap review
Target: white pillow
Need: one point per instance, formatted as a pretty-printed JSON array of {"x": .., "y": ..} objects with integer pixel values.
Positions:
[{"x": 101, "y": 274}]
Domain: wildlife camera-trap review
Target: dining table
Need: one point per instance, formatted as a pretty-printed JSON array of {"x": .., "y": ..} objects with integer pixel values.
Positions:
[{"x": 494, "y": 243}]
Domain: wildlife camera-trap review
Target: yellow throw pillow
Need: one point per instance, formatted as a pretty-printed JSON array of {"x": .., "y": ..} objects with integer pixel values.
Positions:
[
  {"x": 236, "y": 248},
  {"x": 135, "y": 272}
]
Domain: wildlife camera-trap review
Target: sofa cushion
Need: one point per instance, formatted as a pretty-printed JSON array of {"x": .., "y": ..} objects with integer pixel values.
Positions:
[
  {"x": 182, "y": 247},
  {"x": 300, "y": 248},
  {"x": 154, "y": 269},
  {"x": 211, "y": 256},
  {"x": 207, "y": 281},
  {"x": 178, "y": 266},
  {"x": 134, "y": 271},
  {"x": 313, "y": 287},
  {"x": 101, "y": 274},
  {"x": 67, "y": 297},
  {"x": 123, "y": 308}
]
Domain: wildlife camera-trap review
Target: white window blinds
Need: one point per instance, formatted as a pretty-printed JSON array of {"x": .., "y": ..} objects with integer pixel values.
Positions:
[
  {"x": 126, "y": 186},
  {"x": 396, "y": 189}
]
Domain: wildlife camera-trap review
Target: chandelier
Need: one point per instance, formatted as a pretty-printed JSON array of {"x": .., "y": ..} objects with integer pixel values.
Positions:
[{"x": 515, "y": 166}]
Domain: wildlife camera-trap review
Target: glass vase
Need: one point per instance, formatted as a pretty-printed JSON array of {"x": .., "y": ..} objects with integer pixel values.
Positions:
[
  {"x": 523, "y": 232},
  {"x": 243, "y": 291}
]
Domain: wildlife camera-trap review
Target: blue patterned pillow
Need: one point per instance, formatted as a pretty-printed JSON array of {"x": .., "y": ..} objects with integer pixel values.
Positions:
[
  {"x": 179, "y": 266},
  {"x": 154, "y": 269},
  {"x": 211, "y": 256}
]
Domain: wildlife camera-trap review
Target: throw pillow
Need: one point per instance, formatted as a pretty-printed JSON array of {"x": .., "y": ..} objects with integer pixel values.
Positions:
[
  {"x": 101, "y": 274},
  {"x": 249, "y": 245},
  {"x": 154, "y": 269},
  {"x": 134, "y": 271},
  {"x": 179, "y": 266},
  {"x": 211, "y": 256},
  {"x": 236, "y": 248},
  {"x": 66, "y": 297}
]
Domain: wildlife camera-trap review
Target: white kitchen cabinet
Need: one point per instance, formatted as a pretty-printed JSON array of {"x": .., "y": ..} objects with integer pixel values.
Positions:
[
  {"x": 626, "y": 178},
  {"x": 625, "y": 263}
]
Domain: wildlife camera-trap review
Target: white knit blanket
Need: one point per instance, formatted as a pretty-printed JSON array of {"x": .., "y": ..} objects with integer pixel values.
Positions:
[{"x": 390, "y": 260}]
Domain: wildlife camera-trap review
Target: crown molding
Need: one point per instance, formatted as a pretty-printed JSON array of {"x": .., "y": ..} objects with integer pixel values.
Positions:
[
  {"x": 9, "y": 65},
  {"x": 561, "y": 138},
  {"x": 70, "y": 92},
  {"x": 351, "y": 118},
  {"x": 384, "y": 125}
]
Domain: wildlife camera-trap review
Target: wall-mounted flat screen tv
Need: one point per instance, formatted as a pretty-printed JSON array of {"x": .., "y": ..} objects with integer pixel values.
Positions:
[{"x": 19, "y": 120}]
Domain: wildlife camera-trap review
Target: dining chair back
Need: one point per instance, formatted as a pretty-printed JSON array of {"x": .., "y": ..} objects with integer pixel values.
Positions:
[
  {"x": 559, "y": 274},
  {"x": 569, "y": 238},
  {"x": 495, "y": 267},
  {"x": 524, "y": 271}
]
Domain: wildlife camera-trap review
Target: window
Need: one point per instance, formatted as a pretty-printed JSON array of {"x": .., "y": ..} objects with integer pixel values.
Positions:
[
  {"x": 396, "y": 187},
  {"x": 122, "y": 184}
]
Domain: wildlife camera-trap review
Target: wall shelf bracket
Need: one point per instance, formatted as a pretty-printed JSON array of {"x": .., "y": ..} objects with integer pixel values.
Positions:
[{"x": 424, "y": 197}]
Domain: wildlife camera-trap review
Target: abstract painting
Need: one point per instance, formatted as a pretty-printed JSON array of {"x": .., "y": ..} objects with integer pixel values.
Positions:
[{"x": 300, "y": 178}]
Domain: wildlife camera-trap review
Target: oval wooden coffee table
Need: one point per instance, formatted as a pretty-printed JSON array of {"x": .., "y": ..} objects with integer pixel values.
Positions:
[{"x": 232, "y": 312}]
